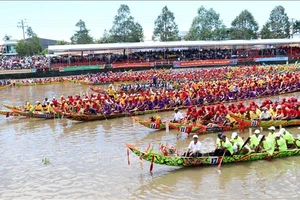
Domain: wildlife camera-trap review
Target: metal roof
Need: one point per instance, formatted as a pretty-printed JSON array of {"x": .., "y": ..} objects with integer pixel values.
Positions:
[{"x": 152, "y": 44}]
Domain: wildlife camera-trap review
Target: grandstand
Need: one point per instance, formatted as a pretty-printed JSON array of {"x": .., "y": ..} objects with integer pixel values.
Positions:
[{"x": 176, "y": 54}]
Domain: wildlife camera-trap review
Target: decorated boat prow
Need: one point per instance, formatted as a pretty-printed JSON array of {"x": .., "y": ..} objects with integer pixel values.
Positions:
[{"x": 150, "y": 124}]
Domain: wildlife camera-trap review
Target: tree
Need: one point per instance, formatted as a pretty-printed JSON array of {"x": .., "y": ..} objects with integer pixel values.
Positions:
[
  {"x": 106, "y": 38},
  {"x": 244, "y": 26},
  {"x": 62, "y": 42},
  {"x": 124, "y": 28},
  {"x": 165, "y": 28},
  {"x": 30, "y": 33},
  {"x": 6, "y": 37},
  {"x": 207, "y": 25},
  {"x": 29, "y": 48},
  {"x": 82, "y": 36},
  {"x": 278, "y": 24},
  {"x": 297, "y": 26},
  {"x": 266, "y": 32}
]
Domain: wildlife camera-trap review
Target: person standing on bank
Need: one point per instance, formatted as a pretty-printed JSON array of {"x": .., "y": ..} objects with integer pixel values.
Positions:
[{"x": 194, "y": 149}]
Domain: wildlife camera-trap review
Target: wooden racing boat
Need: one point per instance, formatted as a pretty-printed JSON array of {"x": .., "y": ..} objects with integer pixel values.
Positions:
[
  {"x": 37, "y": 114},
  {"x": 91, "y": 117},
  {"x": 186, "y": 128},
  {"x": 5, "y": 86},
  {"x": 150, "y": 124},
  {"x": 206, "y": 159},
  {"x": 259, "y": 123}
]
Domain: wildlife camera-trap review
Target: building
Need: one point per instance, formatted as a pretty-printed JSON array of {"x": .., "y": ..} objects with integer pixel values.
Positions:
[
  {"x": 45, "y": 42},
  {"x": 8, "y": 48}
]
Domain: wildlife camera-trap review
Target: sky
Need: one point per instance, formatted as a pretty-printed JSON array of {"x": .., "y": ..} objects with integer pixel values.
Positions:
[{"x": 57, "y": 19}]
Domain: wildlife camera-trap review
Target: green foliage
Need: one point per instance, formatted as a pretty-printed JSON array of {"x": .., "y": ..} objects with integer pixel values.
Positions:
[
  {"x": 124, "y": 28},
  {"x": 207, "y": 25},
  {"x": 244, "y": 26},
  {"x": 30, "y": 32},
  {"x": 82, "y": 36},
  {"x": 278, "y": 25},
  {"x": 106, "y": 38},
  {"x": 165, "y": 27},
  {"x": 30, "y": 47},
  {"x": 45, "y": 51},
  {"x": 6, "y": 37},
  {"x": 62, "y": 42},
  {"x": 297, "y": 26}
]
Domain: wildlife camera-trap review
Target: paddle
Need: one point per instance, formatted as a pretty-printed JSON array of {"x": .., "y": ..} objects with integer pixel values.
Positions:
[
  {"x": 151, "y": 166},
  {"x": 243, "y": 145},
  {"x": 219, "y": 166},
  {"x": 256, "y": 149}
]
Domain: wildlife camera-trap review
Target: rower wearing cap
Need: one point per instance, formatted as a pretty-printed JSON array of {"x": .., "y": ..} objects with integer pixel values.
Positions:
[
  {"x": 235, "y": 138},
  {"x": 254, "y": 139},
  {"x": 271, "y": 134},
  {"x": 194, "y": 149},
  {"x": 218, "y": 150},
  {"x": 290, "y": 140},
  {"x": 38, "y": 106},
  {"x": 280, "y": 144},
  {"x": 267, "y": 145},
  {"x": 226, "y": 146},
  {"x": 178, "y": 117}
]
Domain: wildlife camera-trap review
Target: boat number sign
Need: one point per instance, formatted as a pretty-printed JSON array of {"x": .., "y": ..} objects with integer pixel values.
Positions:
[
  {"x": 182, "y": 129},
  {"x": 214, "y": 160},
  {"x": 153, "y": 125},
  {"x": 254, "y": 122}
]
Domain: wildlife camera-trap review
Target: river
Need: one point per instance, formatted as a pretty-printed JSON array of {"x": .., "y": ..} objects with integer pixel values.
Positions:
[{"x": 89, "y": 160}]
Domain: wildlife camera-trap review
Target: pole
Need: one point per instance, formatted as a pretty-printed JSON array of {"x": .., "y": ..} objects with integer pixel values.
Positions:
[
  {"x": 22, "y": 26},
  {"x": 292, "y": 28}
]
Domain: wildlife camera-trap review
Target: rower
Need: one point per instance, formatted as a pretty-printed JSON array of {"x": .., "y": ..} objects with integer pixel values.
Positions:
[
  {"x": 178, "y": 117},
  {"x": 218, "y": 149},
  {"x": 226, "y": 146},
  {"x": 265, "y": 115},
  {"x": 271, "y": 135},
  {"x": 194, "y": 149},
  {"x": 235, "y": 138},
  {"x": 290, "y": 140},
  {"x": 267, "y": 145},
  {"x": 38, "y": 106},
  {"x": 298, "y": 141},
  {"x": 280, "y": 144},
  {"x": 254, "y": 139}
]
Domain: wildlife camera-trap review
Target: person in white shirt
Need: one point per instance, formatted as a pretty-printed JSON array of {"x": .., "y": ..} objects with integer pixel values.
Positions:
[
  {"x": 178, "y": 116},
  {"x": 194, "y": 149},
  {"x": 265, "y": 115}
]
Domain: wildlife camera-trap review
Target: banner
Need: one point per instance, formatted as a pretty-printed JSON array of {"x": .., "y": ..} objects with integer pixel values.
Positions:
[
  {"x": 271, "y": 59},
  {"x": 198, "y": 63},
  {"x": 132, "y": 65},
  {"x": 78, "y": 68}
]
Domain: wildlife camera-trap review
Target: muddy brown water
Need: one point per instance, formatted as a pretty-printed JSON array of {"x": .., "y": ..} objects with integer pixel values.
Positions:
[{"x": 89, "y": 161}]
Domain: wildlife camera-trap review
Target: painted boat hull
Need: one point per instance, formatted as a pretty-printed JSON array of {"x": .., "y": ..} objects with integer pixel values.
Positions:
[
  {"x": 179, "y": 161},
  {"x": 188, "y": 129},
  {"x": 37, "y": 114},
  {"x": 259, "y": 123}
]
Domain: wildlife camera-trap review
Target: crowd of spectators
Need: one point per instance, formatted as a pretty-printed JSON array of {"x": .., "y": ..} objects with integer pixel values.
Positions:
[
  {"x": 41, "y": 62},
  {"x": 30, "y": 62},
  {"x": 176, "y": 55}
]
